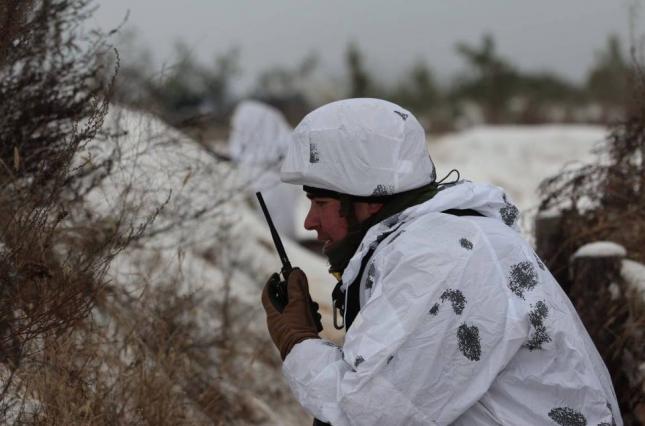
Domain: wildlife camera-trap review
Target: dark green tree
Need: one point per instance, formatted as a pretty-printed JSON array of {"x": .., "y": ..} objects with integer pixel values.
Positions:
[
  {"x": 491, "y": 81},
  {"x": 283, "y": 88},
  {"x": 283, "y": 81},
  {"x": 418, "y": 91},
  {"x": 184, "y": 93},
  {"x": 359, "y": 79},
  {"x": 505, "y": 93},
  {"x": 608, "y": 79}
]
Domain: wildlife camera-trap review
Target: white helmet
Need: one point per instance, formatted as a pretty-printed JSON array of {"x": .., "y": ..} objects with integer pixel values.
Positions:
[
  {"x": 259, "y": 135},
  {"x": 360, "y": 147}
]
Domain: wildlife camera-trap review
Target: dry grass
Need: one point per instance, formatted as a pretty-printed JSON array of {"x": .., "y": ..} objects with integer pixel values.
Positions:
[
  {"x": 53, "y": 102},
  {"x": 162, "y": 357},
  {"x": 76, "y": 348}
]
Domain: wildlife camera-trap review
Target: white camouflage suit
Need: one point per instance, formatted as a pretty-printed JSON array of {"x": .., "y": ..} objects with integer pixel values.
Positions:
[{"x": 460, "y": 323}]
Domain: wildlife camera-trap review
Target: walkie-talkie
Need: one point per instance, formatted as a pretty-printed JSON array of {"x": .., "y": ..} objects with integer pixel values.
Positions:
[{"x": 277, "y": 287}]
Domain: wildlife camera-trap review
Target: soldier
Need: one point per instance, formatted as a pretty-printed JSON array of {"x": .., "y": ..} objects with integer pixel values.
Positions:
[{"x": 450, "y": 316}]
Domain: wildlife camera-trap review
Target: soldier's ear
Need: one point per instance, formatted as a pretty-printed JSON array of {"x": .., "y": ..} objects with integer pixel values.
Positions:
[
  {"x": 363, "y": 210},
  {"x": 374, "y": 207}
]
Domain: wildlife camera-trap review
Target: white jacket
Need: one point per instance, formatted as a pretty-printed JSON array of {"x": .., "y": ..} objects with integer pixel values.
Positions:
[{"x": 460, "y": 323}]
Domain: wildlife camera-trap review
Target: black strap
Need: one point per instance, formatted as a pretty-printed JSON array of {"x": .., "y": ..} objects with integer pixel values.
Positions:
[
  {"x": 354, "y": 295},
  {"x": 313, "y": 192},
  {"x": 463, "y": 212}
]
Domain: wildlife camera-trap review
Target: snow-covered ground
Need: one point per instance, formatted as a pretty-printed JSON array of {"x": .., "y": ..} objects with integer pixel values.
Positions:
[
  {"x": 600, "y": 249},
  {"x": 517, "y": 158},
  {"x": 207, "y": 237}
]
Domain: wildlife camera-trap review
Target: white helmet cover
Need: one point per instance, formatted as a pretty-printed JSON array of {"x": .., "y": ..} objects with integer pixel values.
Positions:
[
  {"x": 361, "y": 147},
  {"x": 259, "y": 134}
]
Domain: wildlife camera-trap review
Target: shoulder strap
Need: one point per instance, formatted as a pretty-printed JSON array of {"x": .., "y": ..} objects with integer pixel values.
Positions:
[
  {"x": 353, "y": 292},
  {"x": 353, "y": 305},
  {"x": 463, "y": 212}
]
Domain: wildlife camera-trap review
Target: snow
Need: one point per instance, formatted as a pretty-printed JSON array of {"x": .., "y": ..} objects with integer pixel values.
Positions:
[
  {"x": 227, "y": 250},
  {"x": 159, "y": 162},
  {"x": 549, "y": 214},
  {"x": 634, "y": 273},
  {"x": 516, "y": 158},
  {"x": 600, "y": 249},
  {"x": 614, "y": 291}
]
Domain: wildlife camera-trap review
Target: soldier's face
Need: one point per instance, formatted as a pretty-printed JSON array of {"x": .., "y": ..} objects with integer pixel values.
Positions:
[{"x": 325, "y": 218}]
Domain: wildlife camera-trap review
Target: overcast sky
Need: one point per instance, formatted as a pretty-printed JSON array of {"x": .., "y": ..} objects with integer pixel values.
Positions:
[{"x": 556, "y": 35}]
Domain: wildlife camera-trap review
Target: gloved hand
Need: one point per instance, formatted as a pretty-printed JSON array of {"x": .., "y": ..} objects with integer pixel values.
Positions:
[{"x": 298, "y": 320}]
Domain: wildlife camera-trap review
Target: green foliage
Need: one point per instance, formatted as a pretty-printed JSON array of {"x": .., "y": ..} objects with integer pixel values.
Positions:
[
  {"x": 284, "y": 81},
  {"x": 492, "y": 81},
  {"x": 418, "y": 89},
  {"x": 184, "y": 91},
  {"x": 505, "y": 93},
  {"x": 360, "y": 82},
  {"x": 607, "y": 81},
  {"x": 491, "y": 88}
]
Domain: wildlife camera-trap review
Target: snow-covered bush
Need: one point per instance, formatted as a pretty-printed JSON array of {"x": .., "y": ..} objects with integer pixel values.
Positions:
[{"x": 605, "y": 201}]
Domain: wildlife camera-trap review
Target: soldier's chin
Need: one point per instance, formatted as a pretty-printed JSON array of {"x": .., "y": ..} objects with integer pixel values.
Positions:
[{"x": 328, "y": 245}]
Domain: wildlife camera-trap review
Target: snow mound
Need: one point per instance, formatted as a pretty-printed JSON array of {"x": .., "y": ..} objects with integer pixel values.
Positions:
[
  {"x": 207, "y": 235},
  {"x": 516, "y": 158},
  {"x": 600, "y": 249},
  {"x": 161, "y": 165}
]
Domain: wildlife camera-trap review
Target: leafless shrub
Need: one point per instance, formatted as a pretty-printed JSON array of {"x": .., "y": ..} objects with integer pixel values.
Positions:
[
  {"x": 53, "y": 258},
  {"x": 54, "y": 102},
  {"x": 605, "y": 201},
  {"x": 111, "y": 370},
  {"x": 77, "y": 347},
  {"x": 162, "y": 357}
]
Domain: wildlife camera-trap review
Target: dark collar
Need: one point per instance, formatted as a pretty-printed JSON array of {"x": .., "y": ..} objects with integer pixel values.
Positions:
[{"x": 342, "y": 251}]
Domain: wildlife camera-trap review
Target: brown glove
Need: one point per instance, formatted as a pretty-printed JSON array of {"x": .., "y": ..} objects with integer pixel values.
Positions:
[{"x": 295, "y": 321}]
